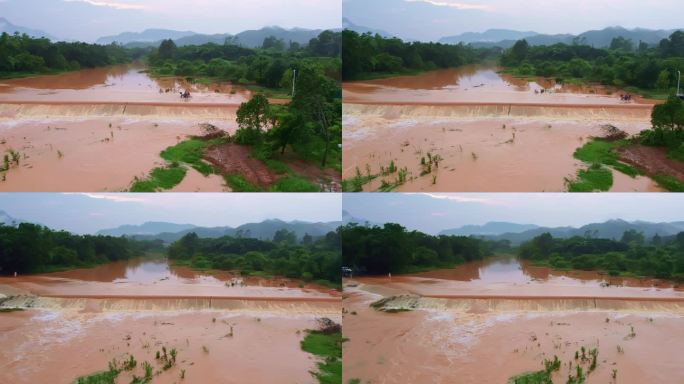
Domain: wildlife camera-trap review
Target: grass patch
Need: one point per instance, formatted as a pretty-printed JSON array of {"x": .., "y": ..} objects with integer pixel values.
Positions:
[
  {"x": 670, "y": 183},
  {"x": 596, "y": 178},
  {"x": 603, "y": 152},
  {"x": 8, "y": 310},
  {"x": 107, "y": 377},
  {"x": 238, "y": 183},
  {"x": 294, "y": 184},
  {"x": 329, "y": 348},
  {"x": 191, "y": 152},
  {"x": 539, "y": 377},
  {"x": 160, "y": 179}
]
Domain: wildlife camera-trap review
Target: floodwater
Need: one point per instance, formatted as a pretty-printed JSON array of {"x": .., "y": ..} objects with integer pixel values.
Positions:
[
  {"x": 98, "y": 129},
  {"x": 497, "y": 137},
  {"x": 157, "y": 278},
  {"x": 120, "y": 84},
  {"x": 487, "y": 321},
  {"x": 47, "y": 346},
  {"x": 223, "y": 326},
  {"x": 476, "y": 84}
]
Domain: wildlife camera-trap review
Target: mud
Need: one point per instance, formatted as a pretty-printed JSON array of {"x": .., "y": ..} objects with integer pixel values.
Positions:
[
  {"x": 482, "y": 148},
  {"x": 486, "y": 322},
  {"x": 652, "y": 160},
  {"x": 58, "y": 346},
  {"x": 234, "y": 159}
]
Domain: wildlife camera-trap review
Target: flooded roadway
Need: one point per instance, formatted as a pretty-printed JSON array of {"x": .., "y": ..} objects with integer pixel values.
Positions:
[
  {"x": 222, "y": 331},
  {"x": 492, "y": 131},
  {"x": 98, "y": 129},
  {"x": 485, "y": 322}
]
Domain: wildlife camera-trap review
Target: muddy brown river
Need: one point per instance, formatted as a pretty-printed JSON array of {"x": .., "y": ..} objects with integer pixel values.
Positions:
[
  {"x": 223, "y": 326},
  {"x": 97, "y": 129},
  {"x": 485, "y": 322},
  {"x": 493, "y": 132}
]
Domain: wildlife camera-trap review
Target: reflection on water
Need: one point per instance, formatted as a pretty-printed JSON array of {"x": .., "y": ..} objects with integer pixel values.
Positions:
[
  {"x": 509, "y": 269},
  {"x": 470, "y": 77},
  {"x": 120, "y": 83},
  {"x": 144, "y": 270},
  {"x": 478, "y": 84}
]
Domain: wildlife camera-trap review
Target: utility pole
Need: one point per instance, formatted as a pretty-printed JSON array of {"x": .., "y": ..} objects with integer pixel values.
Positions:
[
  {"x": 294, "y": 79},
  {"x": 679, "y": 80}
]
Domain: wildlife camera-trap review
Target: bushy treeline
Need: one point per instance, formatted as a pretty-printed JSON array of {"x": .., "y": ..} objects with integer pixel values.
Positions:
[
  {"x": 311, "y": 124},
  {"x": 631, "y": 255},
  {"x": 30, "y": 248},
  {"x": 392, "y": 248},
  {"x": 367, "y": 55},
  {"x": 622, "y": 65},
  {"x": 311, "y": 259},
  {"x": 271, "y": 66},
  {"x": 667, "y": 130},
  {"x": 24, "y": 55}
]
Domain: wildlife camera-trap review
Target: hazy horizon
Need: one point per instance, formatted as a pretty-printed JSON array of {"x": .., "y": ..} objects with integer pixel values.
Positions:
[
  {"x": 434, "y": 212},
  {"x": 88, "y": 20},
  {"x": 430, "y": 20},
  {"x": 87, "y": 213}
]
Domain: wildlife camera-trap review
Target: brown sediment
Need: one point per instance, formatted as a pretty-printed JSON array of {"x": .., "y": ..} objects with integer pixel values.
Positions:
[
  {"x": 482, "y": 148},
  {"x": 483, "y": 340},
  {"x": 213, "y": 346},
  {"x": 652, "y": 160},
  {"x": 234, "y": 159},
  {"x": 197, "y": 182},
  {"x": 328, "y": 179}
]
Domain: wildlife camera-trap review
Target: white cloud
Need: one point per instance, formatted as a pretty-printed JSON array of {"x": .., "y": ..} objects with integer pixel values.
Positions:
[
  {"x": 109, "y": 4},
  {"x": 453, "y": 4},
  {"x": 116, "y": 197},
  {"x": 464, "y": 198}
]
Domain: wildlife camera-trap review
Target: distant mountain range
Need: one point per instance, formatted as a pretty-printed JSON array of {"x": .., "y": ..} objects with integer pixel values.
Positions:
[
  {"x": 348, "y": 24},
  {"x": 6, "y": 26},
  {"x": 6, "y": 219},
  {"x": 146, "y": 36},
  {"x": 612, "y": 229},
  {"x": 489, "y": 229},
  {"x": 265, "y": 230},
  {"x": 505, "y": 38},
  {"x": 251, "y": 38},
  {"x": 149, "y": 228}
]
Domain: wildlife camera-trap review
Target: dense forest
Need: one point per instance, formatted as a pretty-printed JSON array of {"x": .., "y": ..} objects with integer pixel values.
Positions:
[
  {"x": 311, "y": 124},
  {"x": 367, "y": 56},
  {"x": 309, "y": 259},
  {"x": 392, "y": 248},
  {"x": 22, "y": 55},
  {"x": 631, "y": 255},
  {"x": 30, "y": 248},
  {"x": 270, "y": 66},
  {"x": 623, "y": 64}
]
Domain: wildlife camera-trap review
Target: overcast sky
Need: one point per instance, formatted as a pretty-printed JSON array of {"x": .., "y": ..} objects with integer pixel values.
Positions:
[
  {"x": 432, "y": 213},
  {"x": 88, "y": 213},
  {"x": 433, "y": 19},
  {"x": 88, "y": 20}
]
